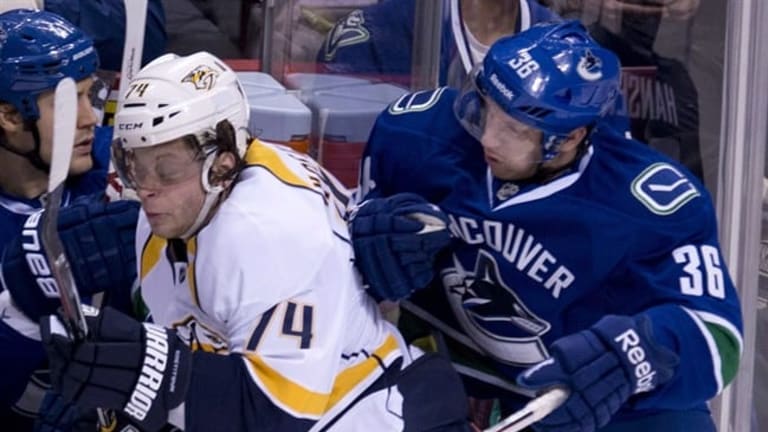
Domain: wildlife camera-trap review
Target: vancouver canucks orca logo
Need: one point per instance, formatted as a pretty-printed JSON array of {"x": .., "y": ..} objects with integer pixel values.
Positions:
[
  {"x": 349, "y": 31},
  {"x": 590, "y": 67},
  {"x": 202, "y": 77},
  {"x": 493, "y": 315}
]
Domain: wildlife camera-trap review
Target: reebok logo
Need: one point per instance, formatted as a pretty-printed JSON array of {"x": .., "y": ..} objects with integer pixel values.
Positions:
[
  {"x": 152, "y": 373},
  {"x": 503, "y": 89},
  {"x": 644, "y": 373}
]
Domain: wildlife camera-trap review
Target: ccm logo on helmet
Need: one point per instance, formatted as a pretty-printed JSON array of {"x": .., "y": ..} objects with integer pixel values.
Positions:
[
  {"x": 130, "y": 126},
  {"x": 38, "y": 264}
]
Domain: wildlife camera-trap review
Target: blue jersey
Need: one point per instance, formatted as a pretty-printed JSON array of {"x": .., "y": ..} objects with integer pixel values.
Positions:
[
  {"x": 22, "y": 356},
  {"x": 624, "y": 231},
  {"x": 104, "y": 22},
  {"x": 378, "y": 40}
]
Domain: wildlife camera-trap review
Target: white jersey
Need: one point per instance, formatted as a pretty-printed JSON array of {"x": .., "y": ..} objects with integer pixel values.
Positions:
[{"x": 271, "y": 280}]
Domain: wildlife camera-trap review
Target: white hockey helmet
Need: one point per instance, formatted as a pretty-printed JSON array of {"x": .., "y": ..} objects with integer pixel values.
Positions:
[{"x": 174, "y": 96}]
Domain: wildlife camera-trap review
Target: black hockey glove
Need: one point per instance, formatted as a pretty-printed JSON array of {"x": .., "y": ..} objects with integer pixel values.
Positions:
[
  {"x": 138, "y": 368},
  {"x": 396, "y": 240},
  {"x": 98, "y": 239}
]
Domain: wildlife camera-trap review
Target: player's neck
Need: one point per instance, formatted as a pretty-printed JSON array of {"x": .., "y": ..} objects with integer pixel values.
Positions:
[
  {"x": 18, "y": 177},
  {"x": 561, "y": 164},
  {"x": 489, "y": 20}
]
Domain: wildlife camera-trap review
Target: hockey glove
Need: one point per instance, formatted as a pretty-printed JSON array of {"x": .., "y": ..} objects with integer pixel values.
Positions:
[
  {"x": 396, "y": 240},
  {"x": 58, "y": 415},
  {"x": 602, "y": 366},
  {"x": 98, "y": 239},
  {"x": 140, "y": 369}
]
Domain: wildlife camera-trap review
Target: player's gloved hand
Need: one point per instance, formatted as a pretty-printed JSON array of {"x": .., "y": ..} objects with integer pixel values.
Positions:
[
  {"x": 98, "y": 239},
  {"x": 396, "y": 240},
  {"x": 138, "y": 368},
  {"x": 59, "y": 415},
  {"x": 602, "y": 366}
]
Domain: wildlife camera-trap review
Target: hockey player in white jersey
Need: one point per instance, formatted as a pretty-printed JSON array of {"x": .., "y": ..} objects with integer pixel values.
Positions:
[{"x": 258, "y": 318}]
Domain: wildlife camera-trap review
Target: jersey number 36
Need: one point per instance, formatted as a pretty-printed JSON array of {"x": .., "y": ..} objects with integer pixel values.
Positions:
[{"x": 703, "y": 270}]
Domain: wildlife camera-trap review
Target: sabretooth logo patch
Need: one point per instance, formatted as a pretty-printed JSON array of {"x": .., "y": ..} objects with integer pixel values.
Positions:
[
  {"x": 644, "y": 373},
  {"x": 152, "y": 373}
]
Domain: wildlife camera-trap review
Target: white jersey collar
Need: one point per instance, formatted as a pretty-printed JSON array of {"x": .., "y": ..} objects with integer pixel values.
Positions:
[{"x": 541, "y": 191}]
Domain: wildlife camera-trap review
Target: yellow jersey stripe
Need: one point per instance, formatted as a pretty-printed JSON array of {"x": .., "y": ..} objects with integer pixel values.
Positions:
[
  {"x": 151, "y": 253},
  {"x": 307, "y": 402},
  {"x": 260, "y": 155},
  {"x": 191, "y": 259}
]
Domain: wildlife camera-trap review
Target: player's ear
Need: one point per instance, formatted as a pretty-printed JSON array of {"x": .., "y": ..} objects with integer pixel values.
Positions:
[
  {"x": 574, "y": 139},
  {"x": 10, "y": 118},
  {"x": 223, "y": 167}
]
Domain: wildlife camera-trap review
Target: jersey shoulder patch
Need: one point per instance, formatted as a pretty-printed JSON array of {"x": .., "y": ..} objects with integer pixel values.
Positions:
[
  {"x": 663, "y": 189},
  {"x": 416, "y": 102}
]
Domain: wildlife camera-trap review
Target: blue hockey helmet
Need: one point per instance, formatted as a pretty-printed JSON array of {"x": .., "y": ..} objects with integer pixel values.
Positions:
[
  {"x": 553, "y": 77},
  {"x": 37, "y": 50}
]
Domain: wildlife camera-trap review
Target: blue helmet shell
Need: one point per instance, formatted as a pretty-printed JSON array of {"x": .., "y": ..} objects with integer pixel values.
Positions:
[
  {"x": 37, "y": 50},
  {"x": 553, "y": 77}
]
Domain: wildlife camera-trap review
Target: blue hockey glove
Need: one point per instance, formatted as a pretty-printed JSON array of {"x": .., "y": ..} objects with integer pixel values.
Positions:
[
  {"x": 602, "y": 366},
  {"x": 140, "y": 369},
  {"x": 98, "y": 240},
  {"x": 396, "y": 240}
]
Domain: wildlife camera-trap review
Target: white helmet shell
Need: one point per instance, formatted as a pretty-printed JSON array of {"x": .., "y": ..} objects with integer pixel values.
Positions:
[{"x": 174, "y": 96}]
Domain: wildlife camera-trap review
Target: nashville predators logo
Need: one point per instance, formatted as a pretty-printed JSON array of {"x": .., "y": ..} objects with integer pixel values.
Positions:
[{"x": 202, "y": 77}]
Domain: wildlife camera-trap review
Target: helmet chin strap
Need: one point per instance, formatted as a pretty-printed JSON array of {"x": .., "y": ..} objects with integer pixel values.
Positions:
[
  {"x": 550, "y": 149},
  {"x": 212, "y": 194}
]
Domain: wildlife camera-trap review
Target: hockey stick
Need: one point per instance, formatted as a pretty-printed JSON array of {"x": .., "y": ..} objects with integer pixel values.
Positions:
[
  {"x": 64, "y": 125},
  {"x": 135, "y": 21},
  {"x": 532, "y": 412}
]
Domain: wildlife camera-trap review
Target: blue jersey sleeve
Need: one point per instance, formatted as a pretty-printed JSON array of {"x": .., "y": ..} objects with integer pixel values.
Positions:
[
  {"x": 372, "y": 40},
  {"x": 20, "y": 356},
  {"x": 695, "y": 312},
  {"x": 409, "y": 141},
  {"x": 104, "y": 22}
]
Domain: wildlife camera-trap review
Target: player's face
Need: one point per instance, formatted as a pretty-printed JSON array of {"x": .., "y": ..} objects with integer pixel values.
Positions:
[
  {"x": 82, "y": 160},
  {"x": 167, "y": 180},
  {"x": 512, "y": 149}
]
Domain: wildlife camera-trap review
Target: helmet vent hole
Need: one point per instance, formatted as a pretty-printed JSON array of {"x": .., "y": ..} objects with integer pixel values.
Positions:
[
  {"x": 565, "y": 95},
  {"x": 134, "y": 105},
  {"x": 162, "y": 105},
  {"x": 174, "y": 114},
  {"x": 537, "y": 112},
  {"x": 157, "y": 120}
]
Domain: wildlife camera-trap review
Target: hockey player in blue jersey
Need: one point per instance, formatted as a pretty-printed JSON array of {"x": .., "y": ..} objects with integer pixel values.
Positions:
[
  {"x": 377, "y": 40},
  {"x": 37, "y": 49},
  {"x": 575, "y": 257}
]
